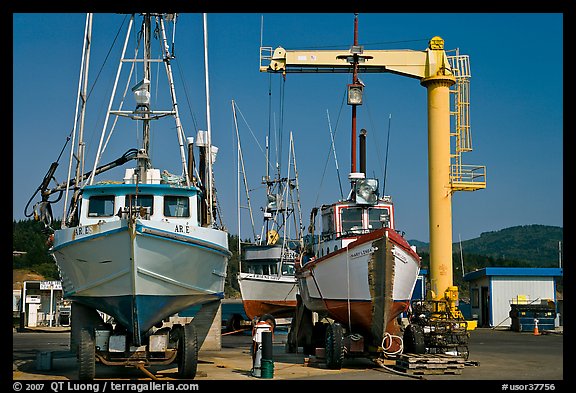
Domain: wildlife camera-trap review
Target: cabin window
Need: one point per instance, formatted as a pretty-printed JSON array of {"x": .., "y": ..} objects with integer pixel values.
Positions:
[
  {"x": 273, "y": 269},
  {"x": 140, "y": 200},
  {"x": 287, "y": 269},
  {"x": 327, "y": 223},
  {"x": 265, "y": 270},
  {"x": 176, "y": 206},
  {"x": 101, "y": 206},
  {"x": 374, "y": 221},
  {"x": 351, "y": 219}
]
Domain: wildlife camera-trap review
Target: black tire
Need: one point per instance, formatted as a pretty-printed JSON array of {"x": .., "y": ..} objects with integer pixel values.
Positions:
[
  {"x": 334, "y": 346},
  {"x": 269, "y": 319},
  {"x": 188, "y": 352},
  {"x": 414, "y": 339},
  {"x": 234, "y": 323},
  {"x": 86, "y": 356}
]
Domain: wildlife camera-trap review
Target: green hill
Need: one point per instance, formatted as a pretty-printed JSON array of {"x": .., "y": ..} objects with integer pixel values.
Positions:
[{"x": 525, "y": 245}]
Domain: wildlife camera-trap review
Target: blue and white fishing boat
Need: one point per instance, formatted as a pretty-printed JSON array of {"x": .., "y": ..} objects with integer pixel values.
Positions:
[{"x": 147, "y": 246}]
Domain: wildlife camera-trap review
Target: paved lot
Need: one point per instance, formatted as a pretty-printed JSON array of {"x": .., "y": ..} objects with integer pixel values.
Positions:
[{"x": 496, "y": 355}]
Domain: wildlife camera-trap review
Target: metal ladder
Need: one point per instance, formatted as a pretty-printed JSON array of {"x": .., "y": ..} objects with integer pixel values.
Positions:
[{"x": 462, "y": 177}]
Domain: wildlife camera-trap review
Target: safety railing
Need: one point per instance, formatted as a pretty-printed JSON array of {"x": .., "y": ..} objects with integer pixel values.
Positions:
[{"x": 467, "y": 177}]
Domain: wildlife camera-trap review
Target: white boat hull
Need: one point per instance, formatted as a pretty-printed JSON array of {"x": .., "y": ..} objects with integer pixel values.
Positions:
[
  {"x": 365, "y": 285},
  {"x": 268, "y": 294},
  {"x": 143, "y": 274}
]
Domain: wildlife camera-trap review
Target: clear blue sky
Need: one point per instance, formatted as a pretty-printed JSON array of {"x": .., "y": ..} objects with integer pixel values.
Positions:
[{"x": 516, "y": 107}]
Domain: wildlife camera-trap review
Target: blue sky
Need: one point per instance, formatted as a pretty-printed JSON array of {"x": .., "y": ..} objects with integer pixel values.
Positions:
[{"x": 516, "y": 107}]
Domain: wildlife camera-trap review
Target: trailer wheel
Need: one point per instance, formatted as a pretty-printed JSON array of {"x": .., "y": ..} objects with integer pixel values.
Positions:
[
  {"x": 234, "y": 323},
  {"x": 188, "y": 352},
  {"x": 334, "y": 346},
  {"x": 268, "y": 318},
  {"x": 86, "y": 356},
  {"x": 414, "y": 339}
]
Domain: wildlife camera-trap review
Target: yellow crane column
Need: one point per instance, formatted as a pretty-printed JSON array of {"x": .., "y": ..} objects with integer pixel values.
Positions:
[{"x": 439, "y": 186}]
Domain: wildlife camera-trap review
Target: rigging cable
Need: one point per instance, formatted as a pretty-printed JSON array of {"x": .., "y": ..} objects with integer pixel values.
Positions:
[
  {"x": 334, "y": 151},
  {"x": 50, "y": 174},
  {"x": 375, "y": 137},
  {"x": 328, "y": 155}
]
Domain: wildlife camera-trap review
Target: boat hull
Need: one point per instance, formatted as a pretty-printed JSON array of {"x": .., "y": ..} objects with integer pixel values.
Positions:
[
  {"x": 267, "y": 282},
  {"x": 140, "y": 273},
  {"x": 275, "y": 295},
  {"x": 364, "y": 286}
]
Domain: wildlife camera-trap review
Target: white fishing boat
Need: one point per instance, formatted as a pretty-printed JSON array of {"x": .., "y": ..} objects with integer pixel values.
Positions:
[
  {"x": 266, "y": 277},
  {"x": 357, "y": 274},
  {"x": 144, "y": 247}
]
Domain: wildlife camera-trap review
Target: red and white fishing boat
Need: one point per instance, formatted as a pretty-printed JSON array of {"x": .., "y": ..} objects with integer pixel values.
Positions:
[
  {"x": 361, "y": 275},
  {"x": 358, "y": 272}
]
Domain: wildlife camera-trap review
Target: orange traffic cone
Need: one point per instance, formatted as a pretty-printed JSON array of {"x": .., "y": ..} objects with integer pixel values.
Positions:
[{"x": 536, "y": 332}]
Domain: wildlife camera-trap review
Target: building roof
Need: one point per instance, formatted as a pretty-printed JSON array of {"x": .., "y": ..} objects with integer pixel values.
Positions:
[{"x": 514, "y": 271}]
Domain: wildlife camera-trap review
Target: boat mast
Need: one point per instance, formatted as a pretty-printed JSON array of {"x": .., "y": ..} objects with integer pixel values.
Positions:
[
  {"x": 143, "y": 156},
  {"x": 241, "y": 169},
  {"x": 354, "y": 82},
  {"x": 179, "y": 129},
  {"x": 79, "y": 122},
  {"x": 209, "y": 128}
]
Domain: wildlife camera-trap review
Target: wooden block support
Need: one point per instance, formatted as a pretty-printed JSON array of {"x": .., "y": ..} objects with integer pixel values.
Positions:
[{"x": 208, "y": 324}]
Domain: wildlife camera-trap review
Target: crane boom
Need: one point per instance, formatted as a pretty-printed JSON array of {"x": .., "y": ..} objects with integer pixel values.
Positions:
[{"x": 415, "y": 64}]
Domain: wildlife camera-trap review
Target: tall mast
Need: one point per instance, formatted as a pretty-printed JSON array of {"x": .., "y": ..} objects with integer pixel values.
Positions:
[
  {"x": 209, "y": 131},
  {"x": 79, "y": 120},
  {"x": 143, "y": 155},
  {"x": 354, "y": 81}
]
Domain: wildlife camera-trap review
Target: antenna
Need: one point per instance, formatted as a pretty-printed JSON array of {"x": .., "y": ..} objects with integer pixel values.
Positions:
[
  {"x": 461, "y": 256},
  {"x": 386, "y": 159},
  {"x": 209, "y": 136},
  {"x": 261, "y": 30}
]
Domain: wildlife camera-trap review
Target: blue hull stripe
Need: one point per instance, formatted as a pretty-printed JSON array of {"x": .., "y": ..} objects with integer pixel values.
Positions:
[
  {"x": 89, "y": 237},
  {"x": 148, "y": 310},
  {"x": 143, "y": 230}
]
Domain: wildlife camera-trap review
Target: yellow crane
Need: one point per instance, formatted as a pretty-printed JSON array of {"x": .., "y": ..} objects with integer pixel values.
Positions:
[{"x": 446, "y": 80}]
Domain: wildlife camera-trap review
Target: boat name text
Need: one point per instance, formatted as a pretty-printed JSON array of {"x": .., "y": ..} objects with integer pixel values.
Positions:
[
  {"x": 79, "y": 231},
  {"x": 363, "y": 252},
  {"x": 400, "y": 255},
  {"x": 182, "y": 228}
]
